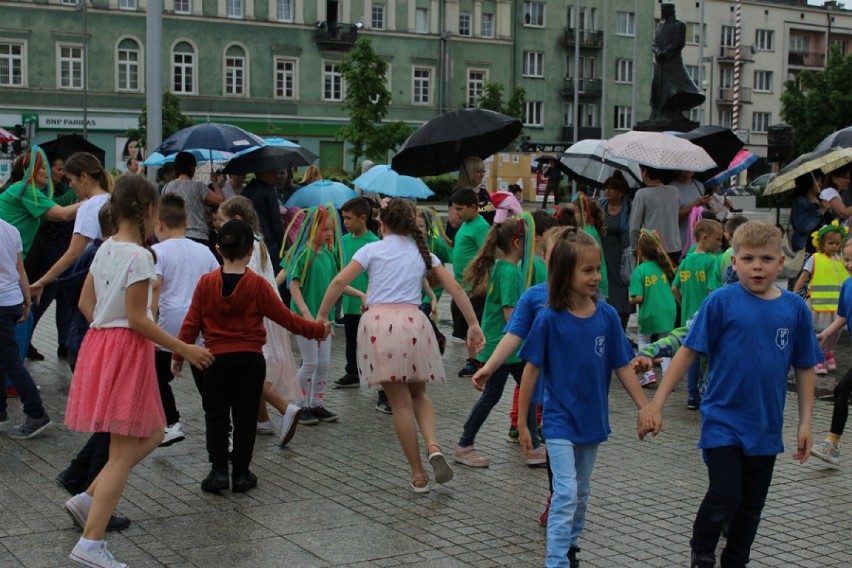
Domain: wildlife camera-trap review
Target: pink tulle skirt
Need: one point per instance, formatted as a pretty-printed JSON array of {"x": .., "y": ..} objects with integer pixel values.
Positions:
[
  {"x": 114, "y": 388},
  {"x": 280, "y": 369}
]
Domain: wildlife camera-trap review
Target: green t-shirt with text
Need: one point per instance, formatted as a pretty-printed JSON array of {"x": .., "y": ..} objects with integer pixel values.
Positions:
[
  {"x": 321, "y": 272},
  {"x": 24, "y": 213},
  {"x": 504, "y": 290},
  {"x": 351, "y": 244},
  {"x": 469, "y": 239},
  {"x": 658, "y": 309},
  {"x": 697, "y": 276}
]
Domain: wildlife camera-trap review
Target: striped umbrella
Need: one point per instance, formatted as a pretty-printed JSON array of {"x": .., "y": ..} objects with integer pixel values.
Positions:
[{"x": 740, "y": 163}]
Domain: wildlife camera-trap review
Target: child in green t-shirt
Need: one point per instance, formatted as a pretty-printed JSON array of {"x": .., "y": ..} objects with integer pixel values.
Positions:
[
  {"x": 727, "y": 274},
  {"x": 698, "y": 274},
  {"x": 590, "y": 218},
  {"x": 650, "y": 288}
]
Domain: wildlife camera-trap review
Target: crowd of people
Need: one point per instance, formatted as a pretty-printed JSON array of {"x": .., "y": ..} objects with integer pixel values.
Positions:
[{"x": 149, "y": 277}]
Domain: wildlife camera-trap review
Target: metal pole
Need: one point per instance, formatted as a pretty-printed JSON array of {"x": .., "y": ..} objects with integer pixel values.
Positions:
[
  {"x": 154, "y": 76},
  {"x": 84, "y": 6},
  {"x": 701, "y": 59},
  {"x": 738, "y": 53},
  {"x": 635, "y": 61},
  {"x": 577, "y": 71},
  {"x": 605, "y": 68}
]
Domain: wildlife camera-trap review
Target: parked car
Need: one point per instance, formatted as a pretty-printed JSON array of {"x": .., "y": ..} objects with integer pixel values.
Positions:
[{"x": 756, "y": 186}]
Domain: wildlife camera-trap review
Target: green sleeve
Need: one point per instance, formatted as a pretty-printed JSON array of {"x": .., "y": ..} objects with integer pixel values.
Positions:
[
  {"x": 442, "y": 250},
  {"x": 36, "y": 205},
  {"x": 676, "y": 282},
  {"x": 637, "y": 279},
  {"x": 509, "y": 285},
  {"x": 714, "y": 278},
  {"x": 66, "y": 198}
]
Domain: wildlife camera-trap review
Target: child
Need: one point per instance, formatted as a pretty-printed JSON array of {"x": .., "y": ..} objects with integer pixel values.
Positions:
[
  {"x": 228, "y": 308},
  {"x": 590, "y": 218},
  {"x": 468, "y": 240},
  {"x": 396, "y": 346},
  {"x": 727, "y": 274},
  {"x": 280, "y": 387},
  {"x": 743, "y": 410},
  {"x": 438, "y": 244},
  {"x": 118, "y": 350},
  {"x": 496, "y": 269},
  {"x": 650, "y": 288},
  {"x": 573, "y": 347},
  {"x": 826, "y": 273},
  {"x": 829, "y": 449},
  {"x": 181, "y": 263}
]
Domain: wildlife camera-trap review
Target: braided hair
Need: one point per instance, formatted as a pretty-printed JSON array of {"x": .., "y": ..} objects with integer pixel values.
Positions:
[
  {"x": 130, "y": 196},
  {"x": 399, "y": 216}
]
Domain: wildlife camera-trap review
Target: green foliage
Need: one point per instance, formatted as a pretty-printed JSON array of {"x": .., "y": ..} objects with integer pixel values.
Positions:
[
  {"x": 442, "y": 186},
  {"x": 173, "y": 120},
  {"x": 492, "y": 99},
  {"x": 367, "y": 99},
  {"x": 819, "y": 102}
]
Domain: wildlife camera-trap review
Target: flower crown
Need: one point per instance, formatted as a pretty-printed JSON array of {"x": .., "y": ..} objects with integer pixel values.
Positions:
[{"x": 831, "y": 227}]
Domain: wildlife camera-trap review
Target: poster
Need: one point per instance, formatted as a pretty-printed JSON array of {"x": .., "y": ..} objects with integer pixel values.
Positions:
[{"x": 125, "y": 149}]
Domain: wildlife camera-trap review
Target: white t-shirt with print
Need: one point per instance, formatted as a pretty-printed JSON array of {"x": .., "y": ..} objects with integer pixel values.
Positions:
[
  {"x": 86, "y": 222},
  {"x": 10, "y": 247},
  {"x": 395, "y": 269},
  {"x": 116, "y": 266}
]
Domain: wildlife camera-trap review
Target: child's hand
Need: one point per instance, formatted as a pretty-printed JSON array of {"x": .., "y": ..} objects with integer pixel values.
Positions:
[
  {"x": 364, "y": 306},
  {"x": 475, "y": 338},
  {"x": 328, "y": 329},
  {"x": 198, "y": 357},
  {"x": 525, "y": 439},
  {"x": 641, "y": 364},
  {"x": 177, "y": 368},
  {"x": 804, "y": 442},
  {"x": 435, "y": 311},
  {"x": 822, "y": 338},
  {"x": 649, "y": 421},
  {"x": 480, "y": 377}
]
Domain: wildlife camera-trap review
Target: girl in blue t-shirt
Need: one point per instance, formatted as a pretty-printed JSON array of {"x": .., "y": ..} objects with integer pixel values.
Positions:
[{"x": 574, "y": 346}]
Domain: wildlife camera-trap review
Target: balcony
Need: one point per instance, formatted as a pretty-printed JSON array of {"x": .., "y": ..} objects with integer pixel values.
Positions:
[
  {"x": 726, "y": 96},
  {"x": 588, "y": 88},
  {"x": 592, "y": 39},
  {"x": 728, "y": 54},
  {"x": 806, "y": 59},
  {"x": 583, "y": 133},
  {"x": 339, "y": 37}
]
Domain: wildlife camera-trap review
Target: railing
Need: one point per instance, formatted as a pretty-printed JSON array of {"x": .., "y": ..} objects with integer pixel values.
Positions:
[
  {"x": 727, "y": 53},
  {"x": 805, "y": 59},
  {"x": 336, "y": 36},
  {"x": 593, "y": 39},
  {"x": 583, "y": 133},
  {"x": 587, "y": 87},
  {"x": 726, "y": 96}
]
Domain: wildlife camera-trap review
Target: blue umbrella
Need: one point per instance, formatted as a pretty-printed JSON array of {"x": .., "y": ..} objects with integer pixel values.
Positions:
[
  {"x": 740, "y": 163},
  {"x": 157, "y": 159},
  {"x": 320, "y": 193},
  {"x": 382, "y": 179},
  {"x": 210, "y": 136}
]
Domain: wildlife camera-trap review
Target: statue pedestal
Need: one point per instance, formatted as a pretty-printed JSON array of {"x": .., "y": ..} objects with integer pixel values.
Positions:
[{"x": 676, "y": 125}]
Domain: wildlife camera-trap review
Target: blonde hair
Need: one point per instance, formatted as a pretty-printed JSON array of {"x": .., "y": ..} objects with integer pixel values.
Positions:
[
  {"x": 706, "y": 227},
  {"x": 466, "y": 171},
  {"x": 756, "y": 234},
  {"x": 311, "y": 175}
]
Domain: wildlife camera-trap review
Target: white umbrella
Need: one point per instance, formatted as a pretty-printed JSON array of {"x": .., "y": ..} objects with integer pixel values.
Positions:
[
  {"x": 590, "y": 163},
  {"x": 660, "y": 151}
]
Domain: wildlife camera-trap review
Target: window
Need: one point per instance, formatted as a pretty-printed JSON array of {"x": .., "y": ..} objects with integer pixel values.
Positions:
[
  {"x": 841, "y": 44},
  {"x": 533, "y": 64},
  {"x": 421, "y": 92},
  {"x": 694, "y": 72},
  {"x": 234, "y": 8},
  {"x": 763, "y": 81},
  {"x": 760, "y": 121},
  {"x": 487, "y": 25},
  {"x": 588, "y": 18},
  {"x": 11, "y": 64},
  {"x": 799, "y": 44},
  {"x": 464, "y": 24},
  {"x": 235, "y": 72},
  {"x": 586, "y": 113},
  {"x": 183, "y": 69},
  {"x": 533, "y": 111},
  {"x": 624, "y": 71},
  {"x": 68, "y": 2},
  {"x": 377, "y": 18},
  {"x": 126, "y": 4},
  {"x": 475, "y": 86},
  {"x": 286, "y": 73},
  {"x": 332, "y": 82},
  {"x": 588, "y": 67},
  {"x": 534, "y": 14},
  {"x": 763, "y": 39},
  {"x": 623, "y": 118},
  {"x": 625, "y": 23},
  {"x": 729, "y": 36},
  {"x": 726, "y": 80},
  {"x": 694, "y": 114},
  {"x": 694, "y": 32},
  {"x": 285, "y": 10},
  {"x": 726, "y": 118},
  {"x": 183, "y": 6},
  {"x": 421, "y": 21},
  {"x": 70, "y": 66},
  {"x": 127, "y": 58}
]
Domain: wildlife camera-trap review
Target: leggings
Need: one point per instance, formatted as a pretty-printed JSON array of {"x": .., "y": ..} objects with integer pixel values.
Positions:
[
  {"x": 313, "y": 373},
  {"x": 841, "y": 403}
]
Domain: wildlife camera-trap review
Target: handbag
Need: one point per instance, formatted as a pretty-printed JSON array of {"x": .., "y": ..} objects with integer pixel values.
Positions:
[{"x": 628, "y": 265}]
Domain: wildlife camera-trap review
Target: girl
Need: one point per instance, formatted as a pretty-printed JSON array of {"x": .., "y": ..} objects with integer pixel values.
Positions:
[
  {"x": 826, "y": 273},
  {"x": 573, "y": 346},
  {"x": 495, "y": 269},
  {"x": 396, "y": 346},
  {"x": 280, "y": 389},
  {"x": 590, "y": 218},
  {"x": 440, "y": 245},
  {"x": 651, "y": 289},
  {"x": 119, "y": 350}
]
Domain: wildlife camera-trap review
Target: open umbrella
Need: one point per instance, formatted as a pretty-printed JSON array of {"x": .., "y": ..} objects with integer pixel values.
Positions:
[
  {"x": 720, "y": 143},
  {"x": 320, "y": 193},
  {"x": 382, "y": 179},
  {"x": 740, "y": 163},
  {"x": 210, "y": 136},
  {"x": 823, "y": 160},
  {"x": 157, "y": 159},
  {"x": 588, "y": 162},
  {"x": 268, "y": 158},
  {"x": 64, "y": 146},
  {"x": 838, "y": 139},
  {"x": 6, "y": 136},
  {"x": 660, "y": 151},
  {"x": 440, "y": 145}
]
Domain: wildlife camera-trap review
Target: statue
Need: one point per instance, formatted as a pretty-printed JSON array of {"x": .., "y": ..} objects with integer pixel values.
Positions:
[{"x": 672, "y": 89}]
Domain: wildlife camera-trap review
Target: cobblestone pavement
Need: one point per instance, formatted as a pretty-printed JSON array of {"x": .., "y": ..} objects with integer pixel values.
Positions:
[{"x": 338, "y": 495}]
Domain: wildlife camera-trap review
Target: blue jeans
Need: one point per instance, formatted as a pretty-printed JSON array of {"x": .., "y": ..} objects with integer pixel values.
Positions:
[
  {"x": 572, "y": 476},
  {"x": 692, "y": 380}
]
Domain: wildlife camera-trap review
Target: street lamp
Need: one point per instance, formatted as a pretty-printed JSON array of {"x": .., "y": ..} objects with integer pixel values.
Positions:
[
  {"x": 708, "y": 100},
  {"x": 82, "y": 5}
]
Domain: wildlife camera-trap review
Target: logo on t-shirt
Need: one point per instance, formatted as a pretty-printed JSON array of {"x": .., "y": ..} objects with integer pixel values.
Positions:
[
  {"x": 599, "y": 346},
  {"x": 782, "y": 338}
]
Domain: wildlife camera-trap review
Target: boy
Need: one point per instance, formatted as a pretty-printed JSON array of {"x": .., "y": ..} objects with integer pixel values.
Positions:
[
  {"x": 181, "y": 263},
  {"x": 228, "y": 308},
  {"x": 727, "y": 274},
  {"x": 468, "y": 240},
  {"x": 743, "y": 410}
]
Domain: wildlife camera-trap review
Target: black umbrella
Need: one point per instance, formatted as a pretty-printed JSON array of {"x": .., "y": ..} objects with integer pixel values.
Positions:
[
  {"x": 64, "y": 146},
  {"x": 440, "y": 145},
  {"x": 839, "y": 139},
  {"x": 268, "y": 158},
  {"x": 720, "y": 143},
  {"x": 209, "y": 136}
]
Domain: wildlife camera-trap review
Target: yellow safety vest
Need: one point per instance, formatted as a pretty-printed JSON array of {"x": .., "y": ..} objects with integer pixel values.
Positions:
[{"x": 828, "y": 275}]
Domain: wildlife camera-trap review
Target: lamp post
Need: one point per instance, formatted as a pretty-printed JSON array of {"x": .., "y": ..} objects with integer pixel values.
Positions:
[
  {"x": 709, "y": 100},
  {"x": 83, "y": 5}
]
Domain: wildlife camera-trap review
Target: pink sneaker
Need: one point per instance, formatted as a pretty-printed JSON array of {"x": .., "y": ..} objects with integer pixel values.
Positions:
[
  {"x": 469, "y": 456},
  {"x": 821, "y": 369},
  {"x": 539, "y": 457},
  {"x": 542, "y": 520},
  {"x": 830, "y": 362}
]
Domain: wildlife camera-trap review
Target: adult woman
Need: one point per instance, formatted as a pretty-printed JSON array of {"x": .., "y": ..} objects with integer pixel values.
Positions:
[
  {"x": 833, "y": 185},
  {"x": 655, "y": 207},
  {"x": 808, "y": 212},
  {"x": 195, "y": 195},
  {"x": 312, "y": 174},
  {"x": 616, "y": 240}
]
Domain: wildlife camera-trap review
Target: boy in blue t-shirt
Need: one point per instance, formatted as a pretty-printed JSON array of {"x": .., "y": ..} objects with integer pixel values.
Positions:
[{"x": 743, "y": 411}]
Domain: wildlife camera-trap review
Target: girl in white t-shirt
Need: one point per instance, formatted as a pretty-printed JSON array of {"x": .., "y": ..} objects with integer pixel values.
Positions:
[
  {"x": 114, "y": 388},
  {"x": 397, "y": 348},
  {"x": 833, "y": 185}
]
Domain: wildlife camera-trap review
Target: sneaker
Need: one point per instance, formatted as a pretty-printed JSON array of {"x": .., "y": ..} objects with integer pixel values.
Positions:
[
  {"x": 33, "y": 354},
  {"x": 539, "y": 457},
  {"x": 827, "y": 451},
  {"x": 513, "y": 435},
  {"x": 442, "y": 343},
  {"x": 469, "y": 456},
  {"x": 68, "y": 480},
  {"x": 174, "y": 434},
  {"x": 384, "y": 405},
  {"x": 323, "y": 414},
  {"x": 288, "y": 424},
  {"x": 573, "y": 562},
  {"x": 31, "y": 428},
  {"x": 648, "y": 379},
  {"x": 830, "y": 362},
  {"x": 215, "y": 481},
  {"x": 243, "y": 482},
  {"x": 12, "y": 392},
  {"x": 117, "y": 523},
  {"x": 470, "y": 368},
  {"x": 821, "y": 369},
  {"x": 693, "y": 402},
  {"x": 542, "y": 520},
  {"x": 702, "y": 561},
  {"x": 306, "y": 418},
  {"x": 443, "y": 472},
  {"x": 347, "y": 381},
  {"x": 265, "y": 428},
  {"x": 101, "y": 557},
  {"x": 77, "y": 510}
]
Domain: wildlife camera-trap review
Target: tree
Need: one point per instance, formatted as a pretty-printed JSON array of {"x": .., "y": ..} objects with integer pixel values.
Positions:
[
  {"x": 367, "y": 99},
  {"x": 173, "y": 120},
  {"x": 492, "y": 99},
  {"x": 819, "y": 102}
]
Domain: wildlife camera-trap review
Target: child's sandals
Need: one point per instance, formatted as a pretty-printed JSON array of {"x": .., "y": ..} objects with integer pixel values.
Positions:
[
  {"x": 419, "y": 483},
  {"x": 443, "y": 471}
]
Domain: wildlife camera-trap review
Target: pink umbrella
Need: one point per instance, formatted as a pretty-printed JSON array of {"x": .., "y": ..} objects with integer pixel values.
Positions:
[
  {"x": 741, "y": 162},
  {"x": 6, "y": 136}
]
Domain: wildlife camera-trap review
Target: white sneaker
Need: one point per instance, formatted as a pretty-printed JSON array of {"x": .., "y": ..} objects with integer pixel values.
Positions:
[
  {"x": 288, "y": 424},
  {"x": 77, "y": 510},
  {"x": 101, "y": 557},
  {"x": 266, "y": 428},
  {"x": 174, "y": 434}
]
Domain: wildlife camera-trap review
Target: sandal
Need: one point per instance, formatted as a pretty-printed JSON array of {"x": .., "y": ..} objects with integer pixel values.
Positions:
[
  {"x": 419, "y": 483},
  {"x": 443, "y": 471}
]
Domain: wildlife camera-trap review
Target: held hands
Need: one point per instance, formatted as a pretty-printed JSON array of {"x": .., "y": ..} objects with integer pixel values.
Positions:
[
  {"x": 804, "y": 442},
  {"x": 328, "y": 329},
  {"x": 198, "y": 357},
  {"x": 822, "y": 337},
  {"x": 649, "y": 421},
  {"x": 641, "y": 364},
  {"x": 36, "y": 290},
  {"x": 475, "y": 338}
]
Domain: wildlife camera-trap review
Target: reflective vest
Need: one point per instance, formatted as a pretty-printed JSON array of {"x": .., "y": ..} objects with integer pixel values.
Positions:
[{"x": 828, "y": 275}]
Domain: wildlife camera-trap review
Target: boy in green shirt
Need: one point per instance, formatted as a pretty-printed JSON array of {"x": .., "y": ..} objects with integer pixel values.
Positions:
[{"x": 727, "y": 274}]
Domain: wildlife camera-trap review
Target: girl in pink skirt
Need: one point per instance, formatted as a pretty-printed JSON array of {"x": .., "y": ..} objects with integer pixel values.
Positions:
[
  {"x": 397, "y": 348},
  {"x": 114, "y": 388}
]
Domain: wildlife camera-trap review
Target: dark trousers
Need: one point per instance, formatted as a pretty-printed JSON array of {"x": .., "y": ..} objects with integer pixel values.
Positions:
[
  {"x": 13, "y": 367},
  {"x": 163, "y": 365},
  {"x": 439, "y": 337},
  {"x": 232, "y": 387},
  {"x": 459, "y": 323},
  {"x": 841, "y": 403},
  {"x": 91, "y": 459},
  {"x": 53, "y": 251},
  {"x": 557, "y": 195},
  {"x": 350, "y": 326},
  {"x": 737, "y": 493}
]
